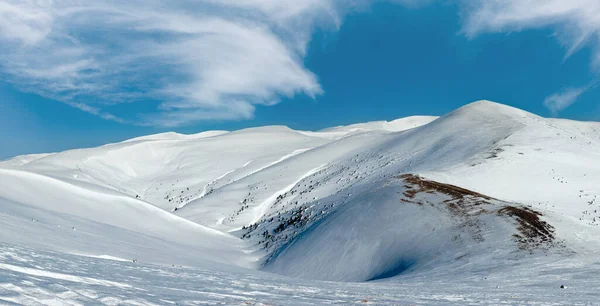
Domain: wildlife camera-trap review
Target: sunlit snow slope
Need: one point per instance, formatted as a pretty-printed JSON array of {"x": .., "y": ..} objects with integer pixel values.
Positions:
[{"x": 481, "y": 186}]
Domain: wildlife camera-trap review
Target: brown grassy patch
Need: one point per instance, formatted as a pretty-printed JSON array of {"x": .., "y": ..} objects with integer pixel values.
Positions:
[
  {"x": 533, "y": 231},
  {"x": 434, "y": 187},
  {"x": 467, "y": 205}
]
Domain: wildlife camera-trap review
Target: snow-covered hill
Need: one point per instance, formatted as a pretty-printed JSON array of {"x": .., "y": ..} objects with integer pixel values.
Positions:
[{"x": 486, "y": 191}]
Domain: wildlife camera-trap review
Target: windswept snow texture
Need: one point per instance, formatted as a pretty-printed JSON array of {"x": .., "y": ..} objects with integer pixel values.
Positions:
[{"x": 485, "y": 205}]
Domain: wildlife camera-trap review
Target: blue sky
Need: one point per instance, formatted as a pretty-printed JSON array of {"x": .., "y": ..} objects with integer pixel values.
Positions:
[{"x": 80, "y": 76}]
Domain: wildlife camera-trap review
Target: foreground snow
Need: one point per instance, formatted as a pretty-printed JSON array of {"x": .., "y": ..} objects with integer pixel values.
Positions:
[
  {"x": 34, "y": 277},
  {"x": 487, "y": 204}
]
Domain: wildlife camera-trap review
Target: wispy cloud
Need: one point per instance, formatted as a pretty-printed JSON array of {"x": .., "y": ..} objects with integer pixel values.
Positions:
[
  {"x": 576, "y": 22},
  {"x": 563, "y": 99},
  {"x": 197, "y": 60}
]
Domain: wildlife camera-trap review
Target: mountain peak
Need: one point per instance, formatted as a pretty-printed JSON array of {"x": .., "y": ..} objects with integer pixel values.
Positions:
[{"x": 485, "y": 110}]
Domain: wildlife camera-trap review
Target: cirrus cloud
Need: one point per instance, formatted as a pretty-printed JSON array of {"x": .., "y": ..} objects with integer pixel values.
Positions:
[
  {"x": 181, "y": 62},
  {"x": 576, "y": 24},
  {"x": 561, "y": 100},
  {"x": 191, "y": 60}
]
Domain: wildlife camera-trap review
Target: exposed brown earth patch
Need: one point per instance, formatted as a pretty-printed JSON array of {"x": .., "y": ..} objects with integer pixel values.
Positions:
[
  {"x": 533, "y": 231},
  {"x": 466, "y": 205},
  {"x": 417, "y": 184}
]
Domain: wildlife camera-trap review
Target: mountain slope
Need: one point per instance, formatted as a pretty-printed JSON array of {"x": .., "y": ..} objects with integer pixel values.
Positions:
[
  {"x": 409, "y": 225},
  {"x": 419, "y": 196}
]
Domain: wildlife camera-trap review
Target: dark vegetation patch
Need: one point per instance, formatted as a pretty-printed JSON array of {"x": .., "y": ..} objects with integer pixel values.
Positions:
[{"x": 494, "y": 153}]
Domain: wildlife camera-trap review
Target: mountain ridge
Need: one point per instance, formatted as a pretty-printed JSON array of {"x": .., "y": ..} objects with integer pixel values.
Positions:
[{"x": 377, "y": 202}]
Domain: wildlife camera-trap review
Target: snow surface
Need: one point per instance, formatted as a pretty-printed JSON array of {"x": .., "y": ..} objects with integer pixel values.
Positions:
[{"x": 270, "y": 215}]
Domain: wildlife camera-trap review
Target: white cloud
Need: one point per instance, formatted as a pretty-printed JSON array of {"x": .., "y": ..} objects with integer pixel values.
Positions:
[
  {"x": 185, "y": 61},
  {"x": 197, "y": 60},
  {"x": 563, "y": 99},
  {"x": 576, "y": 22}
]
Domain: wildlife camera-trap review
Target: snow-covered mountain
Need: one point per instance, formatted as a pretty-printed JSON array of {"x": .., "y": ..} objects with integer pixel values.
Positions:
[{"x": 485, "y": 197}]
